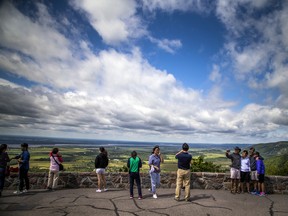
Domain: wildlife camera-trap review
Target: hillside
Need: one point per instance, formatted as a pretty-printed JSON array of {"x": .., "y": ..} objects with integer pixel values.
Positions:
[
  {"x": 272, "y": 149},
  {"x": 276, "y": 157}
]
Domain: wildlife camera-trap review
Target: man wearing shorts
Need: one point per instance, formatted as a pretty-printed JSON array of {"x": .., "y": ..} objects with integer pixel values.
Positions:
[{"x": 235, "y": 168}]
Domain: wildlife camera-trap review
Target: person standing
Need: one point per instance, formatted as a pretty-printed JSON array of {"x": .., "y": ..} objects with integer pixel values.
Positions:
[
  {"x": 253, "y": 173},
  {"x": 55, "y": 160},
  {"x": 245, "y": 171},
  {"x": 155, "y": 159},
  {"x": 101, "y": 162},
  {"x": 183, "y": 172},
  {"x": 4, "y": 159},
  {"x": 134, "y": 164},
  {"x": 23, "y": 161},
  {"x": 235, "y": 168},
  {"x": 261, "y": 174}
]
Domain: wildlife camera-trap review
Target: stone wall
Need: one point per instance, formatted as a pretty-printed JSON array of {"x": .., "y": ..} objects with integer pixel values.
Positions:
[{"x": 217, "y": 181}]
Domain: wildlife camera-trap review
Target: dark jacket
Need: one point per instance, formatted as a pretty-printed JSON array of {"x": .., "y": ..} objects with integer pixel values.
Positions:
[
  {"x": 236, "y": 160},
  {"x": 101, "y": 161},
  {"x": 252, "y": 163},
  {"x": 4, "y": 158}
]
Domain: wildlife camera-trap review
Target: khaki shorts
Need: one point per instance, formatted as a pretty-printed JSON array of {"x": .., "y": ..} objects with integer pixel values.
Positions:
[
  {"x": 253, "y": 176},
  {"x": 235, "y": 173}
]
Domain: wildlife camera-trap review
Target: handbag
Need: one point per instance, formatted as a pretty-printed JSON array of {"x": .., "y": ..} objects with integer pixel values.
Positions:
[{"x": 61, "y": 167}]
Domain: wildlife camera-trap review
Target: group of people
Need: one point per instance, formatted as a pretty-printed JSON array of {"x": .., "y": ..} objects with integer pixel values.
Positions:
[
  {"x": 247, "y": 168},
  {"x": 243, "y": 168},
  {"x": 134, "y": 165},
  {"x": 23, "y": 161}
]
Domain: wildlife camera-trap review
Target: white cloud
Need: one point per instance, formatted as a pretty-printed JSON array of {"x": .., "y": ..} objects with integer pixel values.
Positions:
[
  {"x": 182, "y": 5},
  {"x": 215, "y": 75},
  {"x": 111, "y": 93},
  {"x": 115, "y": 21},
  {"x": 168, "y": 45}
]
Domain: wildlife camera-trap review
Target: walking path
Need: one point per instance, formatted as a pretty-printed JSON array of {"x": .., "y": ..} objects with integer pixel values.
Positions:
[{"x": 82, "y": 202}]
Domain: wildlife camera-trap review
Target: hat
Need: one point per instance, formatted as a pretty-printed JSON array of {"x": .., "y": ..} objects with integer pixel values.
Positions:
[{"x": 237, "y": 148}]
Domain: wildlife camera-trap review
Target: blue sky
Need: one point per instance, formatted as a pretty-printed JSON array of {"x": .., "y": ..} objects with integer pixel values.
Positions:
[{"x": 151, "y": 70}]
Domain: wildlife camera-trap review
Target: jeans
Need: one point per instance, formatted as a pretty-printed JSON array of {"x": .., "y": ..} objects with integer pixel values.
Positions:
[
  {"x": 53, "y": 179},
  {"x": 135, "y": 176},
  {"x": 155, "y": 181},
  {"x": 2, "y": 178},
  {"x": 23, "y": 176},
  {"x": 183, "y": 179}
]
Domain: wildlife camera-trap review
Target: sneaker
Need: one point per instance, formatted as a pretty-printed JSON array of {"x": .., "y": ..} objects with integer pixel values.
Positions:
[
  {"x": 131, "y": 196},
  {"x": 262, "y": 194},
  {"x": 155, "y": 196},
  {"x": 140, "y": 198},
  {"x": 98, "y": 191},
  {"x": 17, "y": 192},
  {"x": 25, "y": 191},
  {"x": 105, "y": 189},
  {"x": 187, "y": 199},
  {"x": 177, "y": 199}
]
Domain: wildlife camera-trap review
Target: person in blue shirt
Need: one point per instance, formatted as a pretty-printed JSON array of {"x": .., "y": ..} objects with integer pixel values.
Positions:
[
  {"x": 23, "y": 161},
  {"x": 261, "y": 174},
  {"x": 183, "y": 172}
]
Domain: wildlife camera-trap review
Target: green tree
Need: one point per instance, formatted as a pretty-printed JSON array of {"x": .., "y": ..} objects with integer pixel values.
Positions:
[{"x": 199, "y": 165}]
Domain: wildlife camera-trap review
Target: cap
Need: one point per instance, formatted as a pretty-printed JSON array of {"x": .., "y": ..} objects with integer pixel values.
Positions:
[{"x": 237, "y": 148}]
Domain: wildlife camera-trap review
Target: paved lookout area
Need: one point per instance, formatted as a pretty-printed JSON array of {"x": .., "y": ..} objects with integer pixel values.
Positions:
[{"x": 117, "y": 202}]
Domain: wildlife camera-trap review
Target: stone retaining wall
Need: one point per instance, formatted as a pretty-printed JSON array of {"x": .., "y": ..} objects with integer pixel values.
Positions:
[{"x": 217, "y": 181}]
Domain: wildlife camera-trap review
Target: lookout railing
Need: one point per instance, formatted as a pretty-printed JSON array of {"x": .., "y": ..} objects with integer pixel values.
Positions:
[{"x": 199, "y": 180}]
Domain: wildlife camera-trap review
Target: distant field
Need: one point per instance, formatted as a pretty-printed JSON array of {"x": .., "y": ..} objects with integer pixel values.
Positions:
[
  {"x": 79, "y": 154},
  {"x": 82, "y": 158}
]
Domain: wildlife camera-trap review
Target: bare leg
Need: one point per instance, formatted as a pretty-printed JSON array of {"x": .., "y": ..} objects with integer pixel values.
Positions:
[
  {"x": 99, "y": 181},
  {"x": 232, "y": 186},
  {"x": 103, "y": 181},
  {"x": 248, "y": 187},
  {"x": 237, "y": 185},
  {"x": 263, "y": 187}
]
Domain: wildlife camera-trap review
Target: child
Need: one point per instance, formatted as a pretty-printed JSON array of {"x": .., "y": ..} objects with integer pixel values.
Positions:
[
  {"x": 261, "y": 174},
  {"x": 235, "y": 168},
  {"x": 134, "y": 164},
  {"x": 245, "y": 171},
  {"x": 23, "y": 160}
]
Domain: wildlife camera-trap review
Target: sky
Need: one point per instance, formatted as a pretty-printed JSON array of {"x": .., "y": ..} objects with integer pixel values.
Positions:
[{"x": 198, "y": 71}]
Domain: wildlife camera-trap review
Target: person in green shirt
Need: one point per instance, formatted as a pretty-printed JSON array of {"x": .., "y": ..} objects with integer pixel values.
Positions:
[{"x": 134, "y": 164}]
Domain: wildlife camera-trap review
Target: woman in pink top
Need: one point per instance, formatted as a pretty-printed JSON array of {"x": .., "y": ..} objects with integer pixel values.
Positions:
[{"x": 55, "y": 160}]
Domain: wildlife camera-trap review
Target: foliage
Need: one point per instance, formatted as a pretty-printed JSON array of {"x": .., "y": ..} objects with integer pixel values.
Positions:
[
  {"x": 124, "y": 169},
  {"x": 199, "y": 165},
  {"x": 277, "y": 165}
]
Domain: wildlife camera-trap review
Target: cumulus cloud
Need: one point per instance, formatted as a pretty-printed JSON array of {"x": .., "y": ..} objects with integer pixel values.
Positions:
[
  {"x": 112, "y": 93},
  {"x": 115, "y": 21}
]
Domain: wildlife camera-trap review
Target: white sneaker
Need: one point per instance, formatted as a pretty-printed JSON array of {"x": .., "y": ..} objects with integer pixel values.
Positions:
[
  {"x": 98, "y": 191},
  {"x": 105, "y": 189},
  {"x": 155, "y": 196},
  {"x": 25, "y": 191},
  {"x": 17, "y": 192}
]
